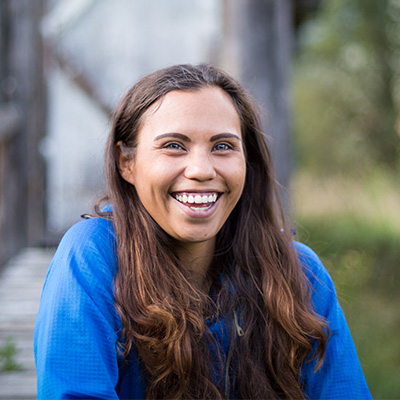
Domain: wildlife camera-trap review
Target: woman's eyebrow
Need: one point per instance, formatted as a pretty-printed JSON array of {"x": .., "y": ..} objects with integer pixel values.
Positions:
[
  {"x": 174, "y": 135},
  {"x": 225, "y": 136},
  {"x": 185, "y": 138}
]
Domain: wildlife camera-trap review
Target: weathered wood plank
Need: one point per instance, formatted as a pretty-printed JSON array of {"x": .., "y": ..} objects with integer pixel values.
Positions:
[{"x": 21, "y": 284}]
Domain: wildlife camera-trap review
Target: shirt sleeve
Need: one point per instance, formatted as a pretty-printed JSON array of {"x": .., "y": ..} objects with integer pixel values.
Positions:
[
  {"x": 340, "y": 376},
  {"x": 77, "y": 324}
]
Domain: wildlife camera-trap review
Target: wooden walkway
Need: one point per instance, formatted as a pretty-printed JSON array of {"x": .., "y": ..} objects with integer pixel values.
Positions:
[{"x": 21, "y": 284}]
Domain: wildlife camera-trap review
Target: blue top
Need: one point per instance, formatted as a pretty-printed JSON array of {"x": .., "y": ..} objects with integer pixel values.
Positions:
[{"x": 77, "y": 327}]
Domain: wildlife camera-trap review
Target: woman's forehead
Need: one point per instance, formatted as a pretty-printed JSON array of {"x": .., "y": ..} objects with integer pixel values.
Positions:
[{"x": 208, "y": 108}]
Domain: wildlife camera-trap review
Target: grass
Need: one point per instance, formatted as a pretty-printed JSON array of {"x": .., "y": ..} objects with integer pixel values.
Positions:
[
  {"x": 354, "y": 226},
  {"x": 8, "y": 352}
]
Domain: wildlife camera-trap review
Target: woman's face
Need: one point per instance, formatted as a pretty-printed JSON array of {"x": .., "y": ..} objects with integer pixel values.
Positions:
[{"x": 189, "y": 167}]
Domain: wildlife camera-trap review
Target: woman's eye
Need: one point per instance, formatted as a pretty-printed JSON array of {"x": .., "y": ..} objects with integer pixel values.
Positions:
[
  {"x": 222, "y": 147},
  {"x": 173, "y": 146}
]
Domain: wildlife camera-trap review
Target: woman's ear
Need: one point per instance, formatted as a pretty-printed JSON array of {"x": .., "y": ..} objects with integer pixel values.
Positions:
[{"x": 125, "y": 164}]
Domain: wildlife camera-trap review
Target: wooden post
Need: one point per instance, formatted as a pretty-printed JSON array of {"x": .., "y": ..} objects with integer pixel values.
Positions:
[
  {"x": 257, "y": 49},
  {"x": 22, "y": 167}
]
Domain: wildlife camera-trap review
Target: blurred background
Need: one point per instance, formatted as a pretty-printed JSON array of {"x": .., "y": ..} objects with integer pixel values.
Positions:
[{"x": 326, "y": 74}]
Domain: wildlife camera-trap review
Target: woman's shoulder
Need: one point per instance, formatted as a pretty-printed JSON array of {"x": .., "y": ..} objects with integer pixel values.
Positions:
[
  {"x": 311, "y": 263},
  {"x": 323, "y": 292},
  {"x": 87, "y": 246},
  {"x": 84, "y": 266},
  {"x": 90, "y": 228},
  {"x": 90, "y": 233}
]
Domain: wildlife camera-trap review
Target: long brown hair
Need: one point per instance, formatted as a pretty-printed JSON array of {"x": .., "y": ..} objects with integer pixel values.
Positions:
[{"x": 263, "y": 285}]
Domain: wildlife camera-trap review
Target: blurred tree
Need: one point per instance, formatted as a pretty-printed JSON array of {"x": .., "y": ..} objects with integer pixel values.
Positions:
[{"x": 347, "y": 85}]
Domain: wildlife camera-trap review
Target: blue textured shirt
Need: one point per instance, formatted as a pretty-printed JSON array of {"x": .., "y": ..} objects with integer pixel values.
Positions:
[{"x": 77, "y": 327}]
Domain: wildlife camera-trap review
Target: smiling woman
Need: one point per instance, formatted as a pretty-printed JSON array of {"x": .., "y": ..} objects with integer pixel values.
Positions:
[{"x": 188, "y": 284}]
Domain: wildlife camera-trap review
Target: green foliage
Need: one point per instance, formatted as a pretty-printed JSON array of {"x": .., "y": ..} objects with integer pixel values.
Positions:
[
  {"x": 354, "y": 226},
  {"x": 363, "y": 258},
  {"x": 8, "y": 352},
  {"x": 346, "y": 86},
  {"x": 360, "y": 253}
]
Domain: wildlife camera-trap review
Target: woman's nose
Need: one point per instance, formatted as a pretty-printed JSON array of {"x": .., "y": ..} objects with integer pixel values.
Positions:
[{"x": 200, "y": 167}]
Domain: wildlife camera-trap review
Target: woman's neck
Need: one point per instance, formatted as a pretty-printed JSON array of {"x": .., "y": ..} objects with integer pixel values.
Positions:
[{"x": 197, "y": 259}]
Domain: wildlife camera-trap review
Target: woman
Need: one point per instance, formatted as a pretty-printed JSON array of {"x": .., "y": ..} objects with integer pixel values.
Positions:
[{"x": 189, "y": 285}]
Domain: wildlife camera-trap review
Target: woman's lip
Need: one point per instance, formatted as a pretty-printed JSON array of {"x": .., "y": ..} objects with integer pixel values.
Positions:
[{"x": 196, "y": 210}]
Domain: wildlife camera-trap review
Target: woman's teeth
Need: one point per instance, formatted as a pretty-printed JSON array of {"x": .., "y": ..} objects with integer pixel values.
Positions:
[{"x": 196, "y": 198}]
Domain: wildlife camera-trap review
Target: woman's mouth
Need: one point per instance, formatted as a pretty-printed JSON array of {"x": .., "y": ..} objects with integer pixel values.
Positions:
[{"x": 197, "y": 201}]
